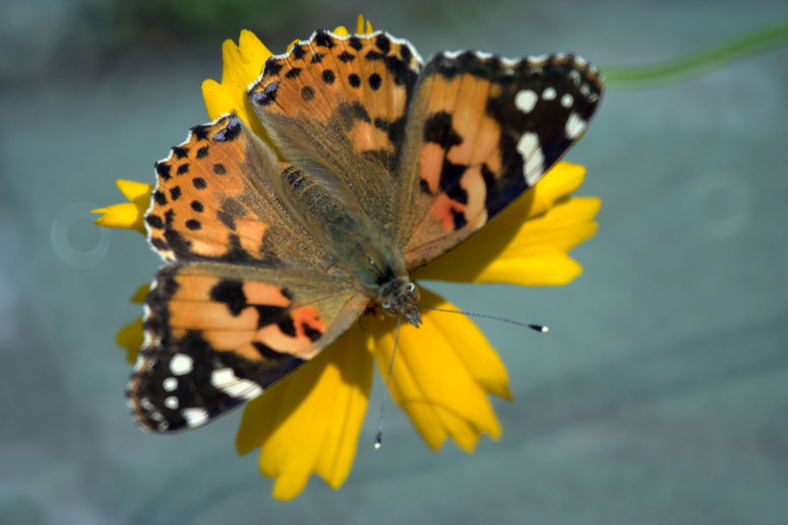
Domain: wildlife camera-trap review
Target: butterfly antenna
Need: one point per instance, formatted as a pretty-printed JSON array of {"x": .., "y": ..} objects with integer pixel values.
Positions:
[
  {"x": 537, "y": 327},
  {"x": 379, "y": 436}
]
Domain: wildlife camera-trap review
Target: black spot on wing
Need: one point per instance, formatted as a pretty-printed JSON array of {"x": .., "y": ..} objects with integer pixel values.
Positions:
[
  {"x": 287, "y": 326},
  {"x": 438, "y": 128},
  {"x": 200, "y": 132},
  {"x": 323, "y": 39},
  {"x": 193, "y": 224},
  {"x": 154, "y": 221},
  {"x": 269, "y": 314},
  {"x": 311, "y": 333},
  {"x": 163, "y": 170},
  {"x": 180, "y": 152},
  {"x": 272, "y": 67},
  {"x": 355, "y": 43},
  {"x": 383, "y": 43},
  {"x": 375, "y": 81},
  {"x": 231, "y": 293},
  {"x": 298, "y": 52}
]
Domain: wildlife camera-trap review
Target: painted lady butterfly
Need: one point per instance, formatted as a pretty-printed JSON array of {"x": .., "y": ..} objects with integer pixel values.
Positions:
[{"x": 389, "y": 164}]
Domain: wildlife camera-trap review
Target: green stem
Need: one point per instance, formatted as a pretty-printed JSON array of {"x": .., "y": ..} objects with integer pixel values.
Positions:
[{"x": 642, "y": 76}]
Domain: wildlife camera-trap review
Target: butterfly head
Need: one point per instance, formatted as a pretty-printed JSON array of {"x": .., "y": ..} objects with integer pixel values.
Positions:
[{"x": 399, "y": 297}]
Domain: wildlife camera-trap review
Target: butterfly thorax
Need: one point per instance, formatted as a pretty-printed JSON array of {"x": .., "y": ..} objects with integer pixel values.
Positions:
[{"x": 327, "y": 209}]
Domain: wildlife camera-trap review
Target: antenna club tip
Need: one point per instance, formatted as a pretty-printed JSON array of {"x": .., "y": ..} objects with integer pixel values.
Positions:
[
  {"x": 377, "y": 445},
  {"x": 539, "y": 328}
]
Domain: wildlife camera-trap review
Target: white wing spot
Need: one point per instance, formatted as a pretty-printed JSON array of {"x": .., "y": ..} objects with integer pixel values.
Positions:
[
  {"x": 146, "y": 404},
  {"x": 567, "y": 100},
  {"x": 585, "y": 90},
  {"x": 170, "y": 384},
  {"x": 533, "y": 158},
  {"x": 194, "y": 416},
  {"x": 181, "y": 364},
  {"x": 171, "y": 402},
  {"x": 525, "y": 100},
  {"x": 549, "y": 94},
  {"x": 225, "y": 380},
  {"x": 575, "y": 126}
]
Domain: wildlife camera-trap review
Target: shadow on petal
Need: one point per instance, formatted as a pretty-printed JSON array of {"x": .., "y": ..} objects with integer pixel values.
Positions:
[{"x": 310, "y": 421}]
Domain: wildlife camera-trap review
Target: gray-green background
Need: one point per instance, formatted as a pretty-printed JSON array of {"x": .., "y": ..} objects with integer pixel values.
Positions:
[{"x": 660, "y": 395}]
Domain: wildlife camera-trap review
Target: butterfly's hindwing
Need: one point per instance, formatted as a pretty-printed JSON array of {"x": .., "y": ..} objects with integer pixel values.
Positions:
[
  {"x": 217, "y": 335},
  {"x": 483, "y": 129}
]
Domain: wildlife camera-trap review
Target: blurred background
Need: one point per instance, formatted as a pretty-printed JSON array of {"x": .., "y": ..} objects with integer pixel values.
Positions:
[{"x": 660, "y": 394}]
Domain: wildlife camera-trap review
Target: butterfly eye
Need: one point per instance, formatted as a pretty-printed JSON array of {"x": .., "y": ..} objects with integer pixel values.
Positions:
[
  {"x": 386, "y": 305},
  {"x": 371, "y": 261}
]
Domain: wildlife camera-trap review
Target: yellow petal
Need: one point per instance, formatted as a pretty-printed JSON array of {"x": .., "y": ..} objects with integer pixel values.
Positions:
[
  {"x": 310, "y": 422},
  {"x": 532, "y": 254},
  {"x": 341, "y": 31},
  {"x": 442, "y": 374},
  {"x": 130, "y": 337},
  {"x": 127, "y": 215},
  {"x": 135, "y": 191},
  {"x": 141, "y": 293},
  {"x": 242, "y": 64},
  {"x": 560, "y": 181}
]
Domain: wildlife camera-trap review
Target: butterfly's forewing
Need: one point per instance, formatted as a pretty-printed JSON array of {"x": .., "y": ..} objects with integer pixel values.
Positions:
[
  {"x": 217, "y": 334},
  {"x": 482, "y": 130},
  {"x": 336, "y": 106},
  {"x": 250, "y": 294},
  {"x": 215, "y": 200}
]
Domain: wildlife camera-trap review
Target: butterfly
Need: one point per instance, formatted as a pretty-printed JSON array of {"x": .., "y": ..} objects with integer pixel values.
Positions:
[{"x": 375, "y": 164}]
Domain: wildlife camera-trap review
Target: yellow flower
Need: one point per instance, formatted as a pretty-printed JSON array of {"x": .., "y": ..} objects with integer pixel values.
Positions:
[{"x": 310, "y": 422}]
